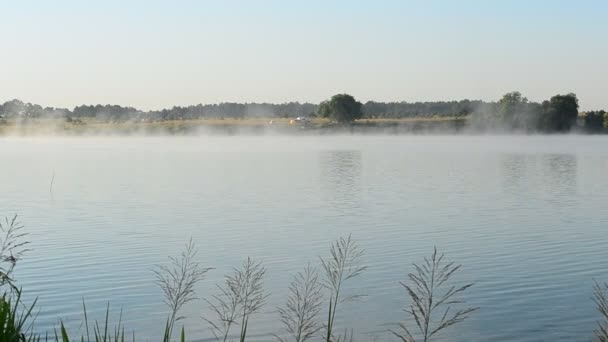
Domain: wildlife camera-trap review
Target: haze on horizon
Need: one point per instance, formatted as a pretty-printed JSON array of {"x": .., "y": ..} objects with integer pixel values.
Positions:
[{"x": 153, "y": 54}]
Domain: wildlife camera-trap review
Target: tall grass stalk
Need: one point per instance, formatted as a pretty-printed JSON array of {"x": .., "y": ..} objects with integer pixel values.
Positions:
[
  {"x": 240, "y": 297},
  {"x": 600, "y": 297},
  {"x": 177, "y": 281},
  {"x": 15, "y": 324},
  {"x": 12, "y": 248},
  {"x": 299, "y": 315},
  {"x": 344, "y": 263},
  {"x": 101, "y": 333},
  {"x": 429, "y": 293}
]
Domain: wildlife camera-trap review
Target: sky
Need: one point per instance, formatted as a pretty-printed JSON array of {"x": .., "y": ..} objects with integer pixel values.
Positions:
[{"x": 158, "y": 54}]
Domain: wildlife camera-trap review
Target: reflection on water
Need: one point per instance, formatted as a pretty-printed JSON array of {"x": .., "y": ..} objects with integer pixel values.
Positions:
[
  {"x": 559, "y": 171},
  {"x": 340, "y": 177},
  {"x": 541, "y": 174},
  {"x": 515, "y": 172}
]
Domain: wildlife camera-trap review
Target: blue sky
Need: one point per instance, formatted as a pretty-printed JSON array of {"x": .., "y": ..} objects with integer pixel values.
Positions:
[{"x": 154, "y": 54}]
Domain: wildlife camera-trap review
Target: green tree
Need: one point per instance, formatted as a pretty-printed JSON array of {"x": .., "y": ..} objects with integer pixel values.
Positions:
[
  {"x": 559, "y": 113},
  {"x": 512, "y": 112},
  {"x": 515, "y": 112},
  {"x": 510, "y": 106},
  {"x": 342, "y": 108},
  {"x": 594, "y": 120}
]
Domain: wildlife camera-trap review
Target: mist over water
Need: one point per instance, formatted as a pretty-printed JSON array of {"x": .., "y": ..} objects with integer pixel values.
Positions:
[{"x": 524, "y": 215}]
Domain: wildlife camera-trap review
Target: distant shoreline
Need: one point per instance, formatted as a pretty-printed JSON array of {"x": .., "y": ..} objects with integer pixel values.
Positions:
[
  {"x": 341, "y": 114},
  {"x": 257, "y": 126}
]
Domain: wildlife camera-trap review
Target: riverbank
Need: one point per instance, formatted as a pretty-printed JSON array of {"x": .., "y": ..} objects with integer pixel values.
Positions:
[{"x": 34, "y": 127}]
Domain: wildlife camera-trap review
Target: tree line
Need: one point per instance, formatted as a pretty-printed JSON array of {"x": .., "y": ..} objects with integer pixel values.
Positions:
[
  {"x": 513, "y": 112},
  {"x": 371, "y": 109},
  {"x": 19, "y": 109}
]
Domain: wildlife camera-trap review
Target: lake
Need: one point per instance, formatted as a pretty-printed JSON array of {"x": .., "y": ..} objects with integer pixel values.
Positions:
[{"x": 525, "y": 216}]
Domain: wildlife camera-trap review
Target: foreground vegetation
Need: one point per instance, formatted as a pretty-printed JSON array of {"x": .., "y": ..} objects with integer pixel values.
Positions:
[{"x": 316, "y": 296}]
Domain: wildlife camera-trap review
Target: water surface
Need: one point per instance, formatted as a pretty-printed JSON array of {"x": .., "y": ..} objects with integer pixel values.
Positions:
[{"x": 525, "y": 215}]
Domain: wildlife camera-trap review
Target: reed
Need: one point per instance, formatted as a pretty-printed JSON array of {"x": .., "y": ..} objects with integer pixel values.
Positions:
[
  {"x": 303, "y": 305},
  {"x": 241, "y": 296},
  {"x": 600, "y": 297},
  {"x": 12, "y": 247},
  {"x": 177, "y": 281},
  {"x": 430, "y": 293},
  {"x": 343, "y": 264}
]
